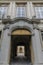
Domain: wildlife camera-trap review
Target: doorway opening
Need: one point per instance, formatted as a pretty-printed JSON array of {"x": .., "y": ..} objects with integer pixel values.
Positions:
[{"x": 20, "y": 47}]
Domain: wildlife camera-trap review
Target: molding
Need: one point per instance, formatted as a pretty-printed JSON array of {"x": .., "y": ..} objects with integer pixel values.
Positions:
[
  {"x": 9, "y": 21},
  {"x": 9, "y": 34},
  {"x": 37, "y": 28},
  {"x": 6, "y": 27},
  {"x": 12, "y": 21}
]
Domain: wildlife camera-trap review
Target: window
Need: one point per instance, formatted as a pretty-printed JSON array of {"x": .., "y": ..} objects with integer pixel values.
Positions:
[
  {"x": 3, "y": 10},
  {"x": 21, "y": 10},
  {"x": 39, "y": 11}
]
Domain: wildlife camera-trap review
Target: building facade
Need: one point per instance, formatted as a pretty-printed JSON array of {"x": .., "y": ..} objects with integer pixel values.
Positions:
[{"x": 21, "y": 32}]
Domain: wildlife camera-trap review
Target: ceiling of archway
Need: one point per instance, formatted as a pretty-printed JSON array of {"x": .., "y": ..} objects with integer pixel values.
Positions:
[{"x": 21, "y": 32}]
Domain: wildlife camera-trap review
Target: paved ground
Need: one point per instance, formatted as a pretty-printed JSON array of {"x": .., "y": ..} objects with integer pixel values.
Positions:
[
  {"x": 20, "y": 61},
  {"x": 21, "y": 64}
]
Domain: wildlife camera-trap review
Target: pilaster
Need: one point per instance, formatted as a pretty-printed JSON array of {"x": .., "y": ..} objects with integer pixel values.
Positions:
[
  {"x": 28, "y": 10},
  {"x": 5, "y": 47},
  {"x": 37, "y": 46}
]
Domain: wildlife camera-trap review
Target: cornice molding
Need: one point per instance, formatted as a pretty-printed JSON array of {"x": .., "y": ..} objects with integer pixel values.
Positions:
[{"x": 17, "y": 19}]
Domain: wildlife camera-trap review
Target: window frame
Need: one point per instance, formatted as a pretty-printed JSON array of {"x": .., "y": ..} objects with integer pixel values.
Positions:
[
  {"x": 20, "y": 5},
  {"x": 37, "y": 5},
  {"x": 4, "y": 5}
]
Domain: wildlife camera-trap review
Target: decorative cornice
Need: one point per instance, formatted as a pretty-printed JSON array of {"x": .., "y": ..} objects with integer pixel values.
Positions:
[
  {"x": 12, "y": 21},
  {"x": 6, "y": 27},
  {"x": 7, "y": 20}
]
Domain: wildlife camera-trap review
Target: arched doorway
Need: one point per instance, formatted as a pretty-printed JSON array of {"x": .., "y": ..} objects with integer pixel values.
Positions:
[{"x": 20, "y": 46}]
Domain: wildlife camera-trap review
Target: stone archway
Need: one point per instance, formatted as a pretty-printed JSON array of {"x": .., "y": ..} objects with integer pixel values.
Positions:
[
  {"x": 23, "y": 28},
  {"x": 6, "y": 42},
  {"x": 25, "y": 36}
]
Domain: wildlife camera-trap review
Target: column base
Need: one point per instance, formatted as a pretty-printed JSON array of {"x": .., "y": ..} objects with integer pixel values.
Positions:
[{"x": 4, "y": 64}]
